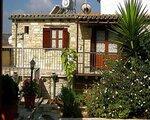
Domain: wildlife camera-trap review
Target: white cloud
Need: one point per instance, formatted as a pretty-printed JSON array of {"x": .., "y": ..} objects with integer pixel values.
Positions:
[
  {"x": 40, "y": 5},
  {"x": 110, "y": 6}
]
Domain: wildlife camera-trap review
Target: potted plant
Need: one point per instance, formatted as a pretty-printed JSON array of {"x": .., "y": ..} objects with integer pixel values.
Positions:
[{"x": 30, "y": 90}]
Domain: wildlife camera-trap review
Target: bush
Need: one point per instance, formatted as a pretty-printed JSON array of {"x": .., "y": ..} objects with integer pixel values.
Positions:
[
  {"x": 70, "y": 108},
  {"x": 123, "y": 91},
  {"x": 80, "y": 99}
]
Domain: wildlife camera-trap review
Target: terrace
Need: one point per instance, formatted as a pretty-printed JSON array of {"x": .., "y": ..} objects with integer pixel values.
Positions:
[{"x": 49, "y": 61}]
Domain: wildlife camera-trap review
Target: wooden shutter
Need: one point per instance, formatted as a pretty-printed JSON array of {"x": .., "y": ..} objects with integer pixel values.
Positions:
[
  {"x": 93, "y": 48},
  {"x": 65, "y": 38},
  {"x": 47, "y": 38}
]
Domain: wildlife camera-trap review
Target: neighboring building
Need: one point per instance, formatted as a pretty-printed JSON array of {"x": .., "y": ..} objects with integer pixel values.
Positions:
[{"x": 6, "y": 51}]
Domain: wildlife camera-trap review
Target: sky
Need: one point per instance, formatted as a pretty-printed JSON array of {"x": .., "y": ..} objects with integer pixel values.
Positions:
[{"x": 45, "y": 6}]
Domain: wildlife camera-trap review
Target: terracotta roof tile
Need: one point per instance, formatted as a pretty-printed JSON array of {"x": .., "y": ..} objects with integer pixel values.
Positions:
[{"x": 67, "y": 16}]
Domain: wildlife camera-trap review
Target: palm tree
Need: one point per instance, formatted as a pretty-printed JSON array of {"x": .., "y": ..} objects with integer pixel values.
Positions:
[{"x": 132, "y": 34}]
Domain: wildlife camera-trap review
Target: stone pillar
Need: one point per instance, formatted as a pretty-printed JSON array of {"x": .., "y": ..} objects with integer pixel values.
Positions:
[{"x": 53, "y": 88}]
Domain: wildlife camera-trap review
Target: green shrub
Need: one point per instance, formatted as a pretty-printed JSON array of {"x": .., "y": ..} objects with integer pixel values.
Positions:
[
  {"x": 80, "y": 99},
  {"x": 123, "y": 91},
  {"x": 70, "y": 108}
]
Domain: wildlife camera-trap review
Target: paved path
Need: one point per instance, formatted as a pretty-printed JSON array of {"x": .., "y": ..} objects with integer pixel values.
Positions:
[{"x": 45, "y": 111}]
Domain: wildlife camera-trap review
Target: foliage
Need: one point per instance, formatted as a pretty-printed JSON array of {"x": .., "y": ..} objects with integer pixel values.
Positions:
[
  {"x": 80, "y": 99},
  {"x": 132, "y": 32},
  {"x": 123, "y": 91},
  {"x": 9, "y": 90},
  {"x": 30, "y": 87},
  {"x": 70, "y": 107},
  {"x": 69, "y": 59}
]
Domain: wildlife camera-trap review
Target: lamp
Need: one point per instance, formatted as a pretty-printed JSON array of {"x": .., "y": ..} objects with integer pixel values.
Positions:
[{"x": 32, "y": 64}]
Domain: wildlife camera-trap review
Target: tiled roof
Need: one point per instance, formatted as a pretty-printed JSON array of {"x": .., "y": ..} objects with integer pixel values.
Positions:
[
  {"x": 66, "y": 16},
  {"x": 42, "y": 16},
  {"x": 97, "y": 16}
]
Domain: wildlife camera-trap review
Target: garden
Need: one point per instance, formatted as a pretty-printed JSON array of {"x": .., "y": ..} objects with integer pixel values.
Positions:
[{"x": 123, "y": 89}]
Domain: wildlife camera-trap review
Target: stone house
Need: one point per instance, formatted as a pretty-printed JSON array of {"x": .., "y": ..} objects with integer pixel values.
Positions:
[{"x": 42, "y": 37}]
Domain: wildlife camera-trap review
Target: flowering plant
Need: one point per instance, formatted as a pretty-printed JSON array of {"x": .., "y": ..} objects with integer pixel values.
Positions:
[{"x": 123, "y": 91}]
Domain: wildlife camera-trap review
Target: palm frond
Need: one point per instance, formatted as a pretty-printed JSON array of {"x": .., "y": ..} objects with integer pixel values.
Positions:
[{"x": 131, "y": 30}]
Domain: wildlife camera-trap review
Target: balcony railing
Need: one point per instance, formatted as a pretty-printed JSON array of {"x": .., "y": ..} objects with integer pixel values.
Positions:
[{"x": 49, "y": 61}]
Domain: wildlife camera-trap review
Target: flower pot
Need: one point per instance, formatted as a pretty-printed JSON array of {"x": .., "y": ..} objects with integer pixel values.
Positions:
[{"x": 29, "y": 101}]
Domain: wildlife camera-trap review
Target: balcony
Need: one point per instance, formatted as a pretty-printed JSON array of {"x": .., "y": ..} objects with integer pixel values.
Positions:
[{"x": 49, "y": 61}]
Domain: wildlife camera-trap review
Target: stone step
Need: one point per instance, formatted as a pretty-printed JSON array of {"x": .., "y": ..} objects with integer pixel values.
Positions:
[{"x": 44, "y": 111}]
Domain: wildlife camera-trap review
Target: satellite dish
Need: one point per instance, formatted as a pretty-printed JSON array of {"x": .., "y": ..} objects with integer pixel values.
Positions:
[
  {"x": 86, "y": 8},
  {"x": 66, "y": 3}
]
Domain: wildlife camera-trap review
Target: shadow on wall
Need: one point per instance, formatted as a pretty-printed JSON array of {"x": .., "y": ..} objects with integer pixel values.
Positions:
[{"x": 43, "y": 91}]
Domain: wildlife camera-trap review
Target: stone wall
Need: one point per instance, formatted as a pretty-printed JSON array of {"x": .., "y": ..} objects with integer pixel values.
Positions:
[
  {"x": 50, "y": 61},
  {"x": 42, "y": 57},
  {"x": 35, "y": 37}
]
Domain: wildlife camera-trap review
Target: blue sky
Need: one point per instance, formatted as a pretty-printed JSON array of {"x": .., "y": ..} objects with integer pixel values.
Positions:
[
  {"x": 45, "y": 6},
  {"x": 33, "y": 6}
]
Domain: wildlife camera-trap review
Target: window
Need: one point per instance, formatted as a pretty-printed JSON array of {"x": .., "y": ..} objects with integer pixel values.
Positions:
[
  {"x": 100, "y": 36},
  {"x": 112, "y": 48},
  {"x": 103, "y": 42},
  {"x": 26, "y": 29},
  {"x": 55, "y": 38},
  {"x": 100, "y": 41}
]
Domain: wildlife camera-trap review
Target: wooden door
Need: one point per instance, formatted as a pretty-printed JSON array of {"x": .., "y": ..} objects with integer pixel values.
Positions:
[{"x": 103, "y": 48}]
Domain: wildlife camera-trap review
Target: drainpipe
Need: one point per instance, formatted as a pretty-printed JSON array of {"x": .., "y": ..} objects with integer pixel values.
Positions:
[
  {"x": 15, "y": 57},
  {"x": 77, "y": 41},
  {"x": 83, "y": 55},
  {"x": 23, "y": 56}
]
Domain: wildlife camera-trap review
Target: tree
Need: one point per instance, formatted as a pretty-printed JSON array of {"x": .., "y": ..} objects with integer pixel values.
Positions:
[{"x": 132, "y": 34}]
